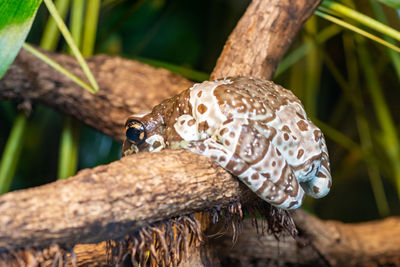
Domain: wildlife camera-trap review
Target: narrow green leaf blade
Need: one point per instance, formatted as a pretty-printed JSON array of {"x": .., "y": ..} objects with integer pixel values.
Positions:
[
  {"x": 16, "y": 19},
  {"x": 392, "y": 3}
]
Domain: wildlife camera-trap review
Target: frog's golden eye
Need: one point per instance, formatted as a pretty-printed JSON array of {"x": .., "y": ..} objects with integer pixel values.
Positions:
[{"x": 135, "y": 132}]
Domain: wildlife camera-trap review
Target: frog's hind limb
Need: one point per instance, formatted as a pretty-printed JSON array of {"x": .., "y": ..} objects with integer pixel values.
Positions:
[
  {"x": 319, "y": 185},
  {"x": 283, "y": 192}
]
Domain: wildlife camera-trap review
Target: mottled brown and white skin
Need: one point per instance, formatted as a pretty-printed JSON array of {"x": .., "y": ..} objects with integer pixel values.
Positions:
[{"x": 253, "y": 128}]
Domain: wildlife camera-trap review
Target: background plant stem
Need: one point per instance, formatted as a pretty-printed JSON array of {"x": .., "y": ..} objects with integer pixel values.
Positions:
[{"x": 12, "y": 152}]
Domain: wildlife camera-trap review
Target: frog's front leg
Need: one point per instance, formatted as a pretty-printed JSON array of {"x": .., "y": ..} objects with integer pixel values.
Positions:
[{"x": 283, "y": 192}]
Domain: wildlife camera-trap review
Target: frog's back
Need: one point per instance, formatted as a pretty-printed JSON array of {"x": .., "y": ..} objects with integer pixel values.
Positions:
[
  {"x": 276, "y": 112},
  {"x": 251, "y": 98},
  {"x": 241, "y": 97}
]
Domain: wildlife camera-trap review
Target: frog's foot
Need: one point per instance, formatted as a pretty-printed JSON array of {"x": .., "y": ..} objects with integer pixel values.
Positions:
[
  {"x": 319, "y": 185},
  {"x": 282, "y": 192}
]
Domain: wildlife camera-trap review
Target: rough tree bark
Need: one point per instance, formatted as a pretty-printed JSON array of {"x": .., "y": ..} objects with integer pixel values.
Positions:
[
  {"x": 109, "y": 201},
  {"x": 262, "y": 37},
  {"x": 320, "y": 243},
  {"x": 88, "y": 201},
  {"x": 126, "y": 87}
]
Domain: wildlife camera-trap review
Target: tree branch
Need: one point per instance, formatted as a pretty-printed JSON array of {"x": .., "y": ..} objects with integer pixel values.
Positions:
[
  {"x": 260, "y": 39},
  {"x": 109, "y": 201},
  {"x": 126, "y": 87},
  {"x": 325, "y": 243}
]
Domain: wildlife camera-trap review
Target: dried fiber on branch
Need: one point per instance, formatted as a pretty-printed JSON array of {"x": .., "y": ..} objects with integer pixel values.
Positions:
[{"x": 160, "y": 244}]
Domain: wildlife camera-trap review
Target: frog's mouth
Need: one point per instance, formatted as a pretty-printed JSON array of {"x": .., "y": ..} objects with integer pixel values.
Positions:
[{"x": 153, "y": 143}]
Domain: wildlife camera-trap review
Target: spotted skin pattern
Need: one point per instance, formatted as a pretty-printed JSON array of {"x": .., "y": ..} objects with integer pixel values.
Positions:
[{"x": 253, "y": 128}]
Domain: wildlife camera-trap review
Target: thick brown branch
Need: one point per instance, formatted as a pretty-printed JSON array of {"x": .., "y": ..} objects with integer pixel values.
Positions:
[
  {"x": 260, "y": 39},
  {"x": 111, "y": 200},
  {"x": 328, "y": 243},
  {"x": 126, "y": 87}
]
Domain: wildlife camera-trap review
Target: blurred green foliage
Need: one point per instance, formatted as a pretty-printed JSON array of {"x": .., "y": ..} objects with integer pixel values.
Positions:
[{"x": 349, "y": 85}]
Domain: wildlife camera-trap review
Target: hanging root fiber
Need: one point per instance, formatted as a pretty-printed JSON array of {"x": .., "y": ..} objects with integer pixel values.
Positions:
[
  {"x": 161, "y": 244},
  {"x": 265, "y": 218},
  {"x": 271, "y": 220}
]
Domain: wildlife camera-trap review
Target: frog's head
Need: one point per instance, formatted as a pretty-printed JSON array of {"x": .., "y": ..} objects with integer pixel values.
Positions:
[{"x": 143, "y": 132}]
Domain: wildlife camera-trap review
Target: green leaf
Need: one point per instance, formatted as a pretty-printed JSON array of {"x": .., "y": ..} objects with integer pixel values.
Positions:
[
  {"x": 344, "y": 11},
  {"x": 68, "y": 38},
  {"x": 16, "y": 19},
  {"x": 392, "y": 3},
  {"x": 357, "y": 30}
]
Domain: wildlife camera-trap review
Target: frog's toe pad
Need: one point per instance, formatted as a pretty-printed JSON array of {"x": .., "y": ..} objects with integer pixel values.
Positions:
[{"x": 318, "y": 187}]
